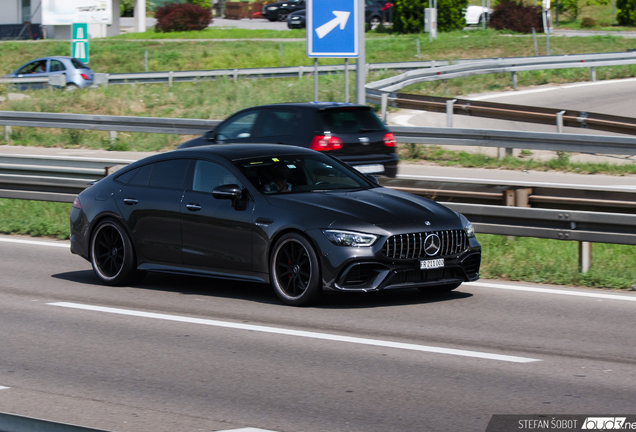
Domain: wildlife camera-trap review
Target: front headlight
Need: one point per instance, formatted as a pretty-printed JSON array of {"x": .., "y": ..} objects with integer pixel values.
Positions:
[
  {"x": 470, "y": 229},
  {"x": 271, "y": 8},
  {"x": 349, "y": 238}
]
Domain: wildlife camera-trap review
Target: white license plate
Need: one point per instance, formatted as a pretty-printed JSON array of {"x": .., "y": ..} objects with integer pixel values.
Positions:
[
  {"x": 431, "y": 264},
  {"x": 369, "y": 169}
]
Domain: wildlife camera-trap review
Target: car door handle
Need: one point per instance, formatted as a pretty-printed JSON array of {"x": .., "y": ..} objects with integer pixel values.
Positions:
[
  {"x": 261, "y": 221},
  {"x": 193, "y": 207},
  {"x": 130, "y": 201}
]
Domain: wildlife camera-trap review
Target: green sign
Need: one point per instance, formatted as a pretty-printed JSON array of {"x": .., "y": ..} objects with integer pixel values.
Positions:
[{"x": 79, "y": 43}]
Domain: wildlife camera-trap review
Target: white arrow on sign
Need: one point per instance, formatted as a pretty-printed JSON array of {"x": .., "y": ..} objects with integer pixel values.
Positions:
[{"x": 340, "y": 19}]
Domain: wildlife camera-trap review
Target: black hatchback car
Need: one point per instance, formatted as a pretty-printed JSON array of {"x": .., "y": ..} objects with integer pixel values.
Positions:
[
  {"x": 352, "y": 133},
  {"x": 279, "y": 11},
  {"x": 289, "y": 216}
]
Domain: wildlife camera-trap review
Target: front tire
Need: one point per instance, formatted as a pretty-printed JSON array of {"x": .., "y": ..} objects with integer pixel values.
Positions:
[
  {"x": 112, "y": 254},
  {"x": 374, "y": 23},
  {"x": 283, "y": 14},
  {"x": 295, "y": 270}
]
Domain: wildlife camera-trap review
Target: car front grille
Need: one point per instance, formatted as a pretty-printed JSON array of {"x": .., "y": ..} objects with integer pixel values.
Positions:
[{"x": 410, "y": 246}]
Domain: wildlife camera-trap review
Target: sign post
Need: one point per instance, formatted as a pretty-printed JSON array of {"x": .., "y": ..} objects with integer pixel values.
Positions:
[
  {"x": 332, "y": 30},
  {"x": 79, "y": 43}
]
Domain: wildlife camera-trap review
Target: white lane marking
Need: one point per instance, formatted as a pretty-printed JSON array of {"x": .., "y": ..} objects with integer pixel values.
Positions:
[
  {"x": 541, "y": 90},
  {"x": 299, "y": 333},
  {"x": 247, "y": 430},
  {"x": 82, "y": 158},
  {"x": 37, "y": 243},
  {"x": 4, "y": 388},
  {"x": 554, "y": 291}
]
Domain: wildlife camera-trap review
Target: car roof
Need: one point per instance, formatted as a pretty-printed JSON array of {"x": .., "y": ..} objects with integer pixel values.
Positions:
[
  {"x": 241, "y": 151},
  {"x": 313, "y": 105}
]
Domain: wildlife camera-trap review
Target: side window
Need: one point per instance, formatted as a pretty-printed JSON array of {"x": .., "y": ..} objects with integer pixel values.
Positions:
[
  {"x": 276, "y": 123},
  {"x": 169, "y": 174},
  {"x": 57, "y": 66},
  {"x": 141, "y": 176},
  {"x": 238, "y": 127},
  {"x": 78, "y": 64},
  {"x": 34, "y": 67},
  {"x": 127, "y": 176},
  {"x": 208, "y": 175}
]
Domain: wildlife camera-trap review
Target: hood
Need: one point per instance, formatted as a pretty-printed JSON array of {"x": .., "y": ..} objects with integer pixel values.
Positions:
[{"x": 382, "y": 207}]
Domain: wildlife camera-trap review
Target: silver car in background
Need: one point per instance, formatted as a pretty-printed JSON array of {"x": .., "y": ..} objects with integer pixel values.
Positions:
[{"x": 77, "y": 73}]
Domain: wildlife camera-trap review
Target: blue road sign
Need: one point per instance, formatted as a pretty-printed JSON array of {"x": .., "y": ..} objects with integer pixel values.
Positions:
[{"x": 332, "y": 28}]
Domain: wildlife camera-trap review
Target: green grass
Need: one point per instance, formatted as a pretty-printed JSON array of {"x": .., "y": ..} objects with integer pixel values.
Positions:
[
  {"x": 34, "y": 218},
  {"x": 518, "y": 258},
  {"x": 556, "y": 262}
]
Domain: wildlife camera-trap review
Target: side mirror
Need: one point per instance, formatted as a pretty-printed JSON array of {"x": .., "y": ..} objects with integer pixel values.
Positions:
[
  {"x": 229, "y": 191},
  {"x": 209, "y": 135},
  {"x": 373, "y": 178}
]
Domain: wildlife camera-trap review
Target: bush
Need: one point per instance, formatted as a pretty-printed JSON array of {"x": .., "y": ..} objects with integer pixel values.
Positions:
[
  {"x": 408, "y": 15},
  {"x": 588, "y": 22},
  {"x": 626, "y": 12},
  {"x": 509, "y": 15},
  {"x": 176, "y": 17}
]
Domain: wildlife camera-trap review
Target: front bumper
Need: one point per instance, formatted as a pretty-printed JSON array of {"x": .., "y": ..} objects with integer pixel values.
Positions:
[{"x": 364, "y": 269}]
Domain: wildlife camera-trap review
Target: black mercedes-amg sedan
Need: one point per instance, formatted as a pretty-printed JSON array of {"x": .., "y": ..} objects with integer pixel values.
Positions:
[{"x": 296, "y": 218}]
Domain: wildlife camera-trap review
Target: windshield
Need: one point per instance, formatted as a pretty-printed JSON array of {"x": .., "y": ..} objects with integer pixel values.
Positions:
[{"x": 306, "y": 173}]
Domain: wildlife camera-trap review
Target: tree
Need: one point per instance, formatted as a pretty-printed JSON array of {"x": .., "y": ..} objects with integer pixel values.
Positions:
[
  {"x": 626, "y": 12},
  {"x": 408, "y": 15},
  {"x": 573, "y": 8}
]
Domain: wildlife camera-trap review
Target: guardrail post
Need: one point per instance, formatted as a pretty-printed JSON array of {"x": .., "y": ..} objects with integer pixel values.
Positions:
[
  {"x": 559, "y": 121},
  {"x": 170, "y": 75},
  {"x": 346, "y": 78},
  {"x": 300, "y": 71},
  {"x": 592, "y": 74},
  {"x": 315, "y": 79},
  {"x": 384, "y": 105},
  {"x": 7, "y": 133},
  {"x": 235, "y": 75},
  {"x": 503, "y": 152},
  {"x": 585, "y": 256},
  {"x": 449, "y": 112},
  {"x": 514, "y": 80},
  {"x": 112, "y": 137}
]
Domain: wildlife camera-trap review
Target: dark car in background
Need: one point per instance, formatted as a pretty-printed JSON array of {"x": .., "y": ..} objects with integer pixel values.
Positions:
[
  {"x": 352, "y": 133},
  {"x": 280, "y": 10},
  {"x": 376, "y": 13},
  {"x": 297, "y": 20},
  {"x": 292, "y": 217},
  {"x": 77, "y": 73}
]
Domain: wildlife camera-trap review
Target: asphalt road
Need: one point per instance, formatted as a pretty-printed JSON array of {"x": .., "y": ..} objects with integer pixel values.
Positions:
[{"x": 192, "y": 354}]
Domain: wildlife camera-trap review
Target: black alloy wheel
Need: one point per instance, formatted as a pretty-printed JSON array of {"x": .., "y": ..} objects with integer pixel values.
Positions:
[
  {"x": 112, "y": 254},
  {"x": 295, "y": 271},
  {"x": 283, "y": 14}
]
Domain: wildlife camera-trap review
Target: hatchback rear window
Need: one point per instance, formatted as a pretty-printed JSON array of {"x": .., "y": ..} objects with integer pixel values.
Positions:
[
  {"x": 349, "y": 121},
  {"x": 78, "y": 64}
]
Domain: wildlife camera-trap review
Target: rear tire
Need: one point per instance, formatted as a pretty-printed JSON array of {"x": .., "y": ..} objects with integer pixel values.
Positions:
[
  {"x": 295, "y": 270},
  {"x": 112, "y": 255},
  {"x": 71, "y": 87},
  {"x": 283, "y": 14}
]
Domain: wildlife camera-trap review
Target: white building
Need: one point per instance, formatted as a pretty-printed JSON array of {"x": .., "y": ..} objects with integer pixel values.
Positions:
[{"x": 53, "y": 15}]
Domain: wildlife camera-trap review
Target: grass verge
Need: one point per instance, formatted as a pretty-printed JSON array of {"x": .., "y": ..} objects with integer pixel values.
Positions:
[{"x": 516, "y": 258}]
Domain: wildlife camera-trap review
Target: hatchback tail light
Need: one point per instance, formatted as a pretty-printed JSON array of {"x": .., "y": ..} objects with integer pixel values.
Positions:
[
  {"x": 325, "y": 143},
  {"x": 77, "y": 204},
  {"x": 389, "y": 139},
  {"x": 84, "y": 76}
]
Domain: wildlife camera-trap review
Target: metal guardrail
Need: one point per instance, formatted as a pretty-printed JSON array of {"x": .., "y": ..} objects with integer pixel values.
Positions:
[
  {"x": 424, "y": 70},
  {"x": 519, "y": 113},
  {"x": 503, "y": 65},
  {"x": 403, "y": 134},
  {"x": 551, "y": 224}
]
